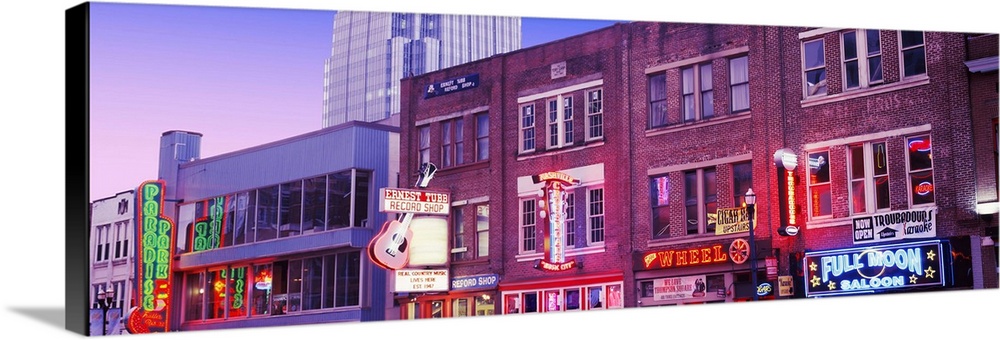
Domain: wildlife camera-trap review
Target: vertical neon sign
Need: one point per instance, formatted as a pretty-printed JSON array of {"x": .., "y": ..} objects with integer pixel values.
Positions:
[
  {"x": 155, "y": 233},
  {"x": 552, "y": 208}
]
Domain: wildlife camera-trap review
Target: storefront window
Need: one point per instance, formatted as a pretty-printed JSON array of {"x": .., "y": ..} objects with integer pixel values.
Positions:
[
  {"x": 437, "y": 309},
  {"x": 484, "y": 305},
  {"x": 216, "y": 290},
  {"x": 615, "y": 297},
  {"x": 267, "y": 213},
  {"x": 348, "y": 279},
  {"x": 279, "y": 288},
  {"x": 595, "y": 298},
  {"x": 573, "y": 299},
  {"x": 261, "y": 289},
  {"x": 512, "y": 304},
  {"x": 195, "y": 296},
  {"x": 294, "y": 286},
  {"x": 312, "y": 283},
  {"x": 460, "y": 307},
  {"x": 237, "y": 288},
  {"x": 646, "y": 289},
  {"x": 530, "y": 302},
  {"x": 552, "y": 301}
]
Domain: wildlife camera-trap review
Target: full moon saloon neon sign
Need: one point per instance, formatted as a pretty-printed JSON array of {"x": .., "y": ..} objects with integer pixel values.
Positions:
[
  {"x": 552, "y": 208},
  {"x": 866, "y": 270}
]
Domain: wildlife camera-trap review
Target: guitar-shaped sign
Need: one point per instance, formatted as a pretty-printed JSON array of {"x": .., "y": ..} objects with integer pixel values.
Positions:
[{"x": 390, "y": 249}]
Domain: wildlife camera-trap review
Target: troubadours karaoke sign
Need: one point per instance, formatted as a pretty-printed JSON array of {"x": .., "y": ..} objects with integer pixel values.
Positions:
[
  {"x": 155, "y": 235},
  {"x": 867, "y": 270},
  {"x": 552, "y": 209}
]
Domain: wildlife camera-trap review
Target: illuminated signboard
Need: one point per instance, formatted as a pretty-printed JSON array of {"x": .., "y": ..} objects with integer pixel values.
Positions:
[
  {"x": 674, "y": 288},
  {"x": 730, "y": 221},
  {"x": 873, "y": 269},
  {"x": 552, "y": 208},
  {"x": 664, "y": 259},
  {"x": 452, "y": 85},
  {"x": 414, "y": 201},
  {"x": 208, "y": 229},
  {"x": 895, "y": 225},
  {"x": 785, "y": 287},
  {"x": 155, "y": 235},
  {"x": 786, "y": 162},
  {"x": 473, "y": 282},
  {"x": 421, "y": 280}
]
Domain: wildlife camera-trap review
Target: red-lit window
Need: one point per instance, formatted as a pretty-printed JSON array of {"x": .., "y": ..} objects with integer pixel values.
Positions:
[
  {"x": 868, "y": 170},
  {"x": 820, "y": 197},
  {"x": 920, "y": 170},
  {"x": 659, "y": 198}
]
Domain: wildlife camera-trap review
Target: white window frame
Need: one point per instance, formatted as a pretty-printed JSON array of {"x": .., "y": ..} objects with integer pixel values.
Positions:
[
  {"x": 733, "y": 84},
  {"x": 481, "y": 137},
  {"x": 871, "y": 198},
  {"x": 862, "y": 58},
  {"x": 591, "y": 114},
  {"x": 560, "y": 125},
  {"x": 697, "y": 92},
  {"x": 909, "y": 172},
  {"x": 570, "y": 219},
  {"x": 701, "y": 199},
  {"x": 810, "y": 186},
  {"x": 482, "y": 250},
  {"x": 459, "y": 249},
  {"x": 902, "y": 65},
  {"x": 805, "y": 71},
  {"x": 524, "y": 111},
  {"x": 591, "y": 216},
  {"x": 525, "y": 227},
  {"x": 423, "y": 152}
]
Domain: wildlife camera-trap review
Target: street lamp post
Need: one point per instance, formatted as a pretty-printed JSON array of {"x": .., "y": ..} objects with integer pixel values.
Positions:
[
  {"x": 751, "y": 199},
  {"x": 104, "y": 300}
]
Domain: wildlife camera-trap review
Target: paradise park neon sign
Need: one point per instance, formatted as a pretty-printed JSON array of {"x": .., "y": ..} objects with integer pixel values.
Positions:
[{"x": 155, "y": 233}]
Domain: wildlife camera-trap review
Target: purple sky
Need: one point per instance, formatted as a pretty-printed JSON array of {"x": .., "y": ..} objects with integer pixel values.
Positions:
[{"x": 240, "y": 76}]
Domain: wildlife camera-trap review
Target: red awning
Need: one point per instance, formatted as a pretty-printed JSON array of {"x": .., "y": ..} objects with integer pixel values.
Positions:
[{"x": 562, "y": 281}]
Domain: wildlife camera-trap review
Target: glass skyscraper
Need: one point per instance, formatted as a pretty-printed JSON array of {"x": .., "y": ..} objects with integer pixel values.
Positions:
[{"x": 373, "y": 50}]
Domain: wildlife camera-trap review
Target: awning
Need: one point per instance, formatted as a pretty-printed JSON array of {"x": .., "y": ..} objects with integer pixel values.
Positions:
[{"x": 561, "y": 281}]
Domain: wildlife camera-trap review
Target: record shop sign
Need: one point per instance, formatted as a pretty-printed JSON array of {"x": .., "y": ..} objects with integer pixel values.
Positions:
[
  {"x": 895, "y": 225},
  {"x": 451, "y": 85}
]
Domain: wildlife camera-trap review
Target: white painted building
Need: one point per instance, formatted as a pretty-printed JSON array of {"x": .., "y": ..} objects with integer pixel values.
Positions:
[{"x": 112, "y": 229}]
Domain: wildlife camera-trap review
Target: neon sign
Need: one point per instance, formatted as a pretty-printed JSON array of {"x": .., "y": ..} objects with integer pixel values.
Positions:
[
  {"x": 552, "y": 208},
  {"x": 153, "y": 261},
  {"x": 790, "y": 193},
  {"x": 682, "y": 258},
  {"x": 208, "y": 230},
  {"x": 924, "y": 188},
  {"x": 873, "y": 269}
]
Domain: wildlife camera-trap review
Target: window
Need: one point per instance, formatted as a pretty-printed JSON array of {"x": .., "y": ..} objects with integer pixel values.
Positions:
[
  {"x": 912, "y": 53},
  {"x": 595, "y": 114},
  {"x": 314, "y": 204},
  {"x": 700, "y": 196},
  {"x": 696, "y": 92},
  {"x": 869, "y": 175},
  {"x": 658, "y": 101},
  {"x": 236, "y": 290},
  {"x": 483, "y": 230},
  {"x": 260, "y": 299},
  {"x": 659, "y": 198},
  {"x": 560, "y": 121},
  {"x": 742, "y": 181},
  {"x": 595, "y": 216},
  {"x": 425, "y": 144},
  {"x": 195, "y": 290},
  {"x": 452, "y": 146},
  {"x": 458, "y": 237},
  {"x": 482, "y": 136},
  {"x": 267, "y": 213},
  {"x": 820, "y": 199},
  {"x": 862, "y": 53},
  {"x": 527, "y": 128},
  {"x": 527, "y": 226},
  {"x": 920, "y": 169},
  {"x": 290, "y": 208},
  {"x": 101, "y": 240},
  {"x": 739, "y": 84},
  {"x": 570, "y": 220},
  {"x": 814, "y": 67}
]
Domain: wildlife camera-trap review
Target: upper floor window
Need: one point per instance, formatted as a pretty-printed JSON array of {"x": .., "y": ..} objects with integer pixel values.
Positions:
[
  {"x": 658, "y": 101},
  {"x": 482, "y": 136},
  {"x": 911, "y": 48},
  {"x": 820, "y": 197},
  {"x": 452, "y": 145},
  {"x": 700, "y": 198},
  {"x": 595, "y": 114},
  {"x": 560, "y": 121},
  {"x": 570, "y": 220},
  {"x": 920, "y": 169},
  {"x": 595, "y": 215},
  {"x": 527, "y": 227},
  {"x": 696, "y": 92},
  {"x": 742, "y": 182},
  {"x": 814, "y": 68},
  {"x": 862, "y": 55},
  {"x": 739, "y": 84},
  {"x": 527, "y": 123},
  {"x": 424, "y": 132},
  {"x": 458, "y": 235},
  {"x": 482, "y": 230},
  {"x": 869, "y": 175},
  {"x": 659, "y": 199}
]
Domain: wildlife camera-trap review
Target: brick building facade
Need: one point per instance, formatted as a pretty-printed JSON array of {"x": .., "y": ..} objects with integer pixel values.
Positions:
[{"x": 666, "y": 127}]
